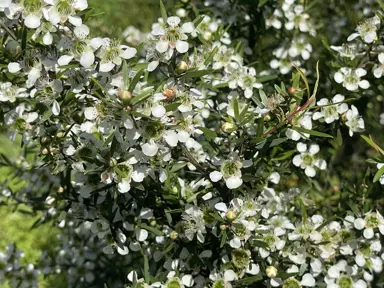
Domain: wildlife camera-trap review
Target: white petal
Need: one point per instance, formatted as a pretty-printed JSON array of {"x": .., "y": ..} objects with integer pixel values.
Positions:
[
  {"x": 173, "y": 21},
  {"x": 308, "y": 280},
  {"x": 215, "y": 176},
  {"x": 14, "y": 67},
  {"x": 141, "y": 235},
  {"x": 150, "y": 149},
  {"x": 221, "y": 207},
  {"x": 32, "y": 21},
  {"x": 182, "y": 46},
  {"x": 338, "y": 98},
  {"x": 187, "y": 27},
  {"x": 301, "y": 147},
  {"x": 128, "y": 53},
  {"x": 314, "y": 149},
  {"x": 55, "y": 108},
  {"x": 274, "y": 177},
  {"x": 158, "y": 111},
  {"x": 187, "y": 280},
  {"x": 364, "y": 84},
  {"x": 381, "y": 58},
  {"x": 255, "y": 269},
  {"x": 153, "y": 65},
  {"x": 339, "y": 77},
  {"x": 64, "y": 60},
  {"x": 124, "y": 186},
  {"x": 230, "y": 275},
  {"x": 359, "y": 259},
  {"x": 359, "y": 223},
  {"x": 171, "y": 138},
  {"x": 234, "y": 182},
  {"x": 106, "y": 67},
  {"x": 48, "y": 39},
  {"x": 87, "y": 59},
  {"x": 91, "y": 113},
  {"x": 351, "y": 86},
  {"x": 75, "y": 20},
  {"x": 162, "y": 46},
  {"x": 70, "y": 150},
  {"x": 297, "y": 160},
  {"x": 81, "y": 31},
  {"x": 310, "y": 171},
  {"x": 368, "y": 233}
]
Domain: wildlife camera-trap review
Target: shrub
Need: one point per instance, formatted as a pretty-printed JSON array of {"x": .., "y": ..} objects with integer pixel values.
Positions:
[{"x": 215, "y": 151}]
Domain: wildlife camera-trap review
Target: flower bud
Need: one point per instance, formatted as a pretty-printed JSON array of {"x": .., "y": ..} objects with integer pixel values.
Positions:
[
  {"x": 112, "y": 162},
  {"x": 292, "y": 90},
  {"x": 228, "y": 127},
  {"x": 181, "y": 67},
  {"x": 271, "y": 271},
  {"x": 230, "y": 215},
  {"x": 267, "y": 117},
  {"x": 124, "y": 95},
  {"x": 44, "y": 151},
  {"x": 13, "y": 49},
  {"x": 44, "y": 140},
  {"x": 173, "y": 235},
  {"x": 207, "y": 35},
  {"x": 60, "y": 134},
  {"x": 52, "y": 149},
  {"x": 153, "y": 223},
  {"x": 60, "y": 190},
  {"x": 169, "y": 94},
  {"x": 223, "y": 227}
]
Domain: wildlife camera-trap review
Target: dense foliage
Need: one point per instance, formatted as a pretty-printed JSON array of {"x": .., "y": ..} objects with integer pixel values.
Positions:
[{"x": 235, "y": 145}]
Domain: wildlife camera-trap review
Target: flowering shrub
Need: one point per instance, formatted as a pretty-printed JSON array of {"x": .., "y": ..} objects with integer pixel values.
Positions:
[{"x": 213, "y": 152}]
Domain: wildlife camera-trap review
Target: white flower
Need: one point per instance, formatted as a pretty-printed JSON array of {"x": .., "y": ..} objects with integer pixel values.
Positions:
[
  {"x": 9, "y": 92},
  {"x": 230, "y": 171},
  {"x": 300, "y": 46},
  {"x": 378, "y": 71},
  {"x": 307, "y": 159},
  {"x": 347, "y": 50},
  {"x": 112, "y": 53},
  {"x": 303, "y": 120},
  {"x": 172, "y": 36},
  {"x": 350, "y": 78},
  {"x": 330, "y": 110},
  {"x": 366, "y": 30},
  {"x": 354, "y": 121},
  {"x": 248, "y": 82},
  {"x": 194, "y": 223}
]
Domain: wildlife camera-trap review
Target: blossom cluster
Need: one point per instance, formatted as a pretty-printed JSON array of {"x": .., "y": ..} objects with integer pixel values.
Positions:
[{"x": 170, "y": 161}]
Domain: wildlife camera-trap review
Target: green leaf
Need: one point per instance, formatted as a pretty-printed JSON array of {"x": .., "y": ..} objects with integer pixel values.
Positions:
[
  {"x": 163, "y": 12},
  {"x": 125, "y": 72},
  {"x": 176, "y": 167},
  {"x": 198, "y": 20},
  {"x": 378, "y": 174},
  {"x": 236, "y": 109},
  {"x": 249, "y": 280},
  {"x": 208, "y": 133},
  {"x": 312, "y": 132},
  {"x": 152, "y": 229},
  {"x": 197, "y": 73},
  {"x": 284, "y": 155},
  {"x": 373, "y": 144},
  {"x": 142, "y": 97},
  {"x": 146, "y": 269},
  {"x": 210, "y": 56},
  {"x": 172, "y": 106},
  {"x": 263, "y": 97},
  {"x": 135, "y": 80},
  {"x": 223, "y": 239},
  {"x": 262, "y": 3},
  {"x": 266, "y": 78}
]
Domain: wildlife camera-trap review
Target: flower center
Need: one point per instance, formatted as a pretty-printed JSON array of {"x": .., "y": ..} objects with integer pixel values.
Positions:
[{"x": 345, "y": 282}]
